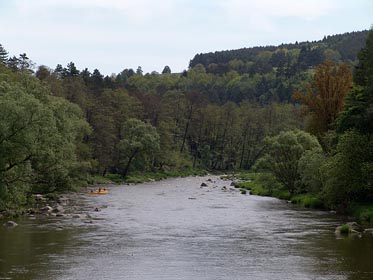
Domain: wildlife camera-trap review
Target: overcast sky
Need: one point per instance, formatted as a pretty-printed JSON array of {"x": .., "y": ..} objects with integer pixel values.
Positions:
[{"x": 112, "y": 35}]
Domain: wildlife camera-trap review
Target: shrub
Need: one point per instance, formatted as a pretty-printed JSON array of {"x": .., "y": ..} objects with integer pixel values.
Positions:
[{"x": 344, "y": 229}]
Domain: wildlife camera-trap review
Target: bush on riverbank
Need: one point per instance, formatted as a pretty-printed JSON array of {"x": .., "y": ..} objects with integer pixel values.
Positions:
[
  {"x": 262, "y": 184},
  {"x": 344, "y": 229},
  {"x": 363, "y": 212},
  {"x": 308, "y": 201}
]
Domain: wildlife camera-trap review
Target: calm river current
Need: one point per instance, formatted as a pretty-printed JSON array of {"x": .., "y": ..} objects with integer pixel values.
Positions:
[{"x": 174, "y": 229}]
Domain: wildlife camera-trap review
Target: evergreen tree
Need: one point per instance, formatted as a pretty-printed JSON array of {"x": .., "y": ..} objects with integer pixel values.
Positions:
[
  {"x": 139, "y": 71},
  {"x": 358, "y": 113},
  {"x": 166, "y": 70},
  {"x": 3, "y": 55}
]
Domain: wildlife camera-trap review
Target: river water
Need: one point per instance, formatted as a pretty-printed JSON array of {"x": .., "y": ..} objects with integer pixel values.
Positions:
[{"x": 175, "y": 229}]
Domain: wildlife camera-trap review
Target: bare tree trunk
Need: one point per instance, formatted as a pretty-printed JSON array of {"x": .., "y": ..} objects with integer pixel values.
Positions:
[
  {"x": 186, "y": 128},
  {"x": 125, "y": 170}
]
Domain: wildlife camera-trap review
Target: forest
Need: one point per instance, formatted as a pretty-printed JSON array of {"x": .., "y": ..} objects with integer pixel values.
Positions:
[{"x": 302, "y": 114}]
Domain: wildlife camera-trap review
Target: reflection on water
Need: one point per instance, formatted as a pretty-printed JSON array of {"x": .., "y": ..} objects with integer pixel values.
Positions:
[{"x": 177, "y": 230}]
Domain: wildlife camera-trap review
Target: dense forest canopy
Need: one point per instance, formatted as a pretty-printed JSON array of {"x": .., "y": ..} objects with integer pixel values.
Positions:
[
  {"x": 299, "y": 56},
  {"x": 60, "y": 126}
]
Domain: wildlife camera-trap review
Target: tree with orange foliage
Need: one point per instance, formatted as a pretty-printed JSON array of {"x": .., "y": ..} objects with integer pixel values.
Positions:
[{"x": 324, "y": 97}]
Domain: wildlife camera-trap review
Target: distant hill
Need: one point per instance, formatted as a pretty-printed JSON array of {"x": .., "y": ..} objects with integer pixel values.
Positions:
[{"x": 290, "y": 57}]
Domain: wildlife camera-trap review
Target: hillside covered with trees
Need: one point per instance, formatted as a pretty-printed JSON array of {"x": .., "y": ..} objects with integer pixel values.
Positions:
[{"x": 237, "y": 110}]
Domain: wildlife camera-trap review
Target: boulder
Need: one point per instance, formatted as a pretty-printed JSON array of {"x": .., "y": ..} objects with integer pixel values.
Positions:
[
  {"x": 353, "y": 228},
  {"x": 46, "y": 209},
  {"x": 233, "y": 184},
  {"x": 62, "y": 200},
  {"x": 58, "y": 209},
  {"x": 40, "y": 197},
  {"x": 10, "y": 224},
  {"x": 204, "y": 185},
  {"x": 30, "y": 211}
]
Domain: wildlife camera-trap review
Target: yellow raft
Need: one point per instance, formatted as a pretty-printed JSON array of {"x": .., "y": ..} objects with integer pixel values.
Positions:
[{"x": 98, "y": 192}]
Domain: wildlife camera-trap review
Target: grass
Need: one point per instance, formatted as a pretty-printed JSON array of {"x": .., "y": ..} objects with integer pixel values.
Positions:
[
  {"x": 264, "y": 184},
  {"x": 363, "y": 212},
  {"x": 308, "y": 201},
  {"x": 261, "y": 184},
  {"x": 254, "y": 188},
  {"x": 344, "y": 229}
]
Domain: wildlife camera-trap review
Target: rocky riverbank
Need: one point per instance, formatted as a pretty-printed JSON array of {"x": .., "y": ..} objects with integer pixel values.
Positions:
[{"x": 64, "y": 206}]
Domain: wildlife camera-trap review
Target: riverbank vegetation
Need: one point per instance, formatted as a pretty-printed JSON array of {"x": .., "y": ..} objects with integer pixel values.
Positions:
[
  {"x": 330, "y": 165},
  {"x": 304, "y": 126}
]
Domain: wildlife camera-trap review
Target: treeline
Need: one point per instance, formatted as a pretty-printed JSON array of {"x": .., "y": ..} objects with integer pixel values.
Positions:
[
  {"x": 60, "y": 126},
  {"x": 69, "y": 124},
  {"x": 332, "y": 164},
  {"x": 292, "y": 57}
]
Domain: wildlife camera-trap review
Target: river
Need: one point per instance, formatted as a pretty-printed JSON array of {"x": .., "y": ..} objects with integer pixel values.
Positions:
[{"x": 175, "y": 229}]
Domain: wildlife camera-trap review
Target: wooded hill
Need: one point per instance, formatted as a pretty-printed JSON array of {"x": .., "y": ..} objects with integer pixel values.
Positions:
[
  {"x": 60, "y": 126},
  {"x": 290, "y": 58}
]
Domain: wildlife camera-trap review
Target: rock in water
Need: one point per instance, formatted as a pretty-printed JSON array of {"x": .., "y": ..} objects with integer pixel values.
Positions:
[
  {"x": 58, "y": 209},
  {"x": 10, "y": 224},
  {"x": 46, "y": 209}
]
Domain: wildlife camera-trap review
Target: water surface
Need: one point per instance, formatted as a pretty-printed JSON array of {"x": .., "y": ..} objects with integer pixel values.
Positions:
[{"x": 175, "y": 229}]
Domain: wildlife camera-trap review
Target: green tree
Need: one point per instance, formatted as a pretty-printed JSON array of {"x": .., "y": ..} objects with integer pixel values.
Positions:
[
  {"x": 139, "y": 71},
  {"x": 283, "y": 154},
  {"x": 138, "y": 139},
  {"x": 311, "y": 173},
  {"x": 3, "y": 55},
  {"x": 166, "y": 70},
  {"x": 39, "y": 135},
  {"x": 349, "y": 171},
  {"x": 358, "y": 113}
]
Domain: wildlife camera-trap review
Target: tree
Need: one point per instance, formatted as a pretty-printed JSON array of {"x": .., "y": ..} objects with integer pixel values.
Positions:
[
  {"x": 25, "y": 63},
  {"x": 358, "y": 113},
  {"x": 3, "y": 55},
  {"x": 166, "y": 70},
  {"x": 364, "y": 70},
  {"x": 139, "y": 71},
  {"x": 13, "y": 63},
  {"x": 71, "y": 70},
  {"x": 43, "y": 72},
  {"x": 59, "y": 71},
  {"x": 39, "y": 135},
  {"x": 324, "y": 98},
  {"x": 283, "y": 154},
  {"x": 349, "y": 171},
  {"x": 138, "y": 139}
]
